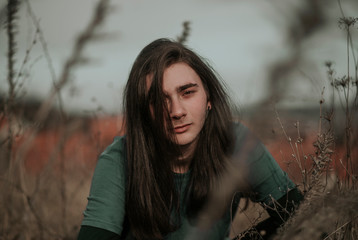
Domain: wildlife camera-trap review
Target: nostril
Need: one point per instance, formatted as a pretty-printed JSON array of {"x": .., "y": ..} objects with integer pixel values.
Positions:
[{"x": 177, "y": 116}]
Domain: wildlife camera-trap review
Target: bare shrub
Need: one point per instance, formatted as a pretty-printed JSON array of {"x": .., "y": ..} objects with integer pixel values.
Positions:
[
  {"x": 330, "y": 208},
  {"x": 44, "y": 204}
]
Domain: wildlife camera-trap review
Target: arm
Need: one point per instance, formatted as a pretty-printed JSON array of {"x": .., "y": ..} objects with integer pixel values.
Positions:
[
  {"x": 93, "y": 233},
  {"x": 279, "y": 212},
  {"x": 269, "y": 184},
  {"x": 105, "y": 209}
]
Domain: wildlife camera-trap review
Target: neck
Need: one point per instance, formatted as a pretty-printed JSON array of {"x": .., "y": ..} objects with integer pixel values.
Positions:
[{"x": 182, "y": 164}]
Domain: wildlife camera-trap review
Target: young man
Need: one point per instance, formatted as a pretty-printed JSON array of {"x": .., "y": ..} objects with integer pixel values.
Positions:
[{"x": 180, "y": 141}]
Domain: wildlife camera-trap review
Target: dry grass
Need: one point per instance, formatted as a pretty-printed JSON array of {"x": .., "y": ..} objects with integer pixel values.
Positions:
[
  {"x": 46, "y": 202},
  {"x": 332, "y": 215},
  {"x": 44, "y": 205}
]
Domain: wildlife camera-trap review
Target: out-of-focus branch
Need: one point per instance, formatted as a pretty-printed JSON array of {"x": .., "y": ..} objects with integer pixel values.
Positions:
[
  {"x": 306, "y": 21},
  {"x": 185, "y": 33},
  {"x": 46, "y": 52},
  {"x": 12, "y": 10},
  {"x": 76, "y": 58}
]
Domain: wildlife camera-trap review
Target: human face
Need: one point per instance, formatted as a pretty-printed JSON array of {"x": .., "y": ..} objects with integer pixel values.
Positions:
[{"x": 187, "y": 102}]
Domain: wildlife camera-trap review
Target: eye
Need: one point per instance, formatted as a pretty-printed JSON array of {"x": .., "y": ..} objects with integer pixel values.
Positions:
[{"x": 188, "y": 92}]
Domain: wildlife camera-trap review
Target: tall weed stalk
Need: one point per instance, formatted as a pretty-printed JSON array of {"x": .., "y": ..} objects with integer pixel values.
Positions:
[
  {"x": 330, "y": 208},
  {"x": 24, "y": 212}
]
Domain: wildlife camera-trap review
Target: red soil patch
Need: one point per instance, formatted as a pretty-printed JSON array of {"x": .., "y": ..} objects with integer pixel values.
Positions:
[{"x": 83, "y": 144}]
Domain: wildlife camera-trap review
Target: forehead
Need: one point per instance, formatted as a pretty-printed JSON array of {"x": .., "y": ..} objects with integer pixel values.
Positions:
[
  {"x": 176, "y": 75},
  {"x": 179, "y": 74}
]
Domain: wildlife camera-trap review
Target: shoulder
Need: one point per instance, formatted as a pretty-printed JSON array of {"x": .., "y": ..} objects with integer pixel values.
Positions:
[
  {"x": 112, "y": 161},
  {"x": 240, "y": 130},
  {"x": 245, "y": 141},
  {"x": 106, "y": 201},
  {"x": 115, "y": 150},
  {"x": 264, "y": 175}
]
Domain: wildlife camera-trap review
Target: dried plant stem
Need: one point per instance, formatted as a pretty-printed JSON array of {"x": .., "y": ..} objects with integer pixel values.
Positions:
[
  {"x": 47, "y": 55},
  {"x": 346, "y": 170},
  {"x": 295, "y": 154},
  {"x": 349, "y": 38},
  {"x": 19, "y": 188},
  {"x": 28, "y": 201},
  {"x": 321, "y": 101},
  {"x": 251, "y": 228},
  {"x": 63, "y": 195},
  {"x": 300, "y": 143},
  {"x": 26, "y": 58},
  {"x": 75, "y": 58},
  {"x": 340, "y": 227},
  {"x": 17, "y": 171},
  {"x": 347, "y": 23},
  {"x": 347, "y": 111},
  {"x": 12, "y": 10},
  {"x": 185, "y": 34}
]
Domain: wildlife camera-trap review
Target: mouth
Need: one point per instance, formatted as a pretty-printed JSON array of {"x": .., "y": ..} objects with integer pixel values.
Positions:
[{"x": 182, "y": 128}]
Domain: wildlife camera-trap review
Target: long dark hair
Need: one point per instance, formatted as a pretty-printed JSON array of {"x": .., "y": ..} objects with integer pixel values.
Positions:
[{"x": 151, "y": 195}]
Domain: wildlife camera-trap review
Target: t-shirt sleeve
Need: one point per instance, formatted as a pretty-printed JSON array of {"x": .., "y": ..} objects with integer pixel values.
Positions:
[
  {"x": 266, "y": 179},
  {"x": 106, "y": 201}
]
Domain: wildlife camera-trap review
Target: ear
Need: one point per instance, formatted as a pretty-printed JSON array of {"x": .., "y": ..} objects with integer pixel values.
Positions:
[{"x": 208, "y": 106}]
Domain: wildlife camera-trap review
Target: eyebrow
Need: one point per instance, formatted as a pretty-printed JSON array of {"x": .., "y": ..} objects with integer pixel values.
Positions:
[{"x": 186, "y": 86}]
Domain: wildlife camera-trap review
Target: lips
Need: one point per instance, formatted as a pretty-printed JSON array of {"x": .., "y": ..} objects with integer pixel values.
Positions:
[{"x": 182, "y": 128}]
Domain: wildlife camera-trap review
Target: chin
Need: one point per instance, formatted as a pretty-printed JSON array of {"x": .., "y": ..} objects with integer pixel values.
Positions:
[{"x": 184, "y": 141}]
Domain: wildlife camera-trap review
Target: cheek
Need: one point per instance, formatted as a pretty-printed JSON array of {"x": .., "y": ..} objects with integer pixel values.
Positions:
[{"x": 200, "y": 110}]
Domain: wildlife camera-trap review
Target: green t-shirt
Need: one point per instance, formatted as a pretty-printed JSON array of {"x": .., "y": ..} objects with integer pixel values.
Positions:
[{"x": 106, "y": 201}]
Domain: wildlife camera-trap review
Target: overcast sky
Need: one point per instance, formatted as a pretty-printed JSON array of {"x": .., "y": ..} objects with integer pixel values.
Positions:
[{"x": 240, "y": 38}]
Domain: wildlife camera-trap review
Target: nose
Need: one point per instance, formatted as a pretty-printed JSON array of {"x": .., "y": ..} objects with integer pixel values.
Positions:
[{"x": 176, "y": 109}]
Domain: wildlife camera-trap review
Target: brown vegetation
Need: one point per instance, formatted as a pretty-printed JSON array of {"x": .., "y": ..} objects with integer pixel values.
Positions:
[{"x": 47, "y": 159}]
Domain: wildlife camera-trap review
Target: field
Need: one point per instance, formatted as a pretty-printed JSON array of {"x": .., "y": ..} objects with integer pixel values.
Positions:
[
  {"x": 54, "y": 177},
  {"x": 47, "y": 155}
]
